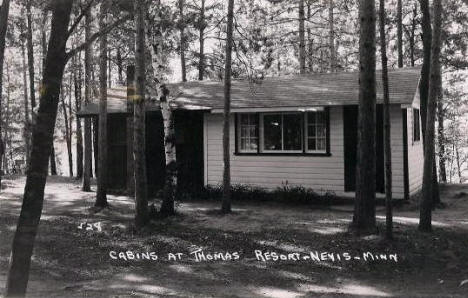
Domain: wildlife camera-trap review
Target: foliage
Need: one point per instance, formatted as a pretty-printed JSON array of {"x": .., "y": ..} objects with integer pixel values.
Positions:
[{"x": 288, "y": 194}]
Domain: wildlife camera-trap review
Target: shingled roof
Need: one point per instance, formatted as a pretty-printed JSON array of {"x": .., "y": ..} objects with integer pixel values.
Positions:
[{"x": 286, "y": 92}]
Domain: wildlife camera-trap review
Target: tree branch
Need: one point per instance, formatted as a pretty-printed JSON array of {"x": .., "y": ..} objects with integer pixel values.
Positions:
[
  {"x": 96, "y": 35},
  {"x": 79, "y": 18}
]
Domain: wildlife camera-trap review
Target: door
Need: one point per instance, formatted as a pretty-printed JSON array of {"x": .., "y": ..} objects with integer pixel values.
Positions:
[{"x": 350, "y": 133}]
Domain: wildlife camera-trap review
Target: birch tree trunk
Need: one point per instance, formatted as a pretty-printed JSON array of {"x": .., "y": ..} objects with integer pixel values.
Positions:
[
  {"x": 4, "y": 11},
  {"x": 67, "y": 131},
  {"x": 226, "y": 203},
  {"x": 302, "y": 55},
  {"x": 88, "y": 159},
  {"x": 364, "y": 208},
  {"x": 425, "y": 217},
  {"x": 387, "y": 127},
  {"x": 170, "y": 186},
  {"x": 101, "y": 195},
  {"x": 139, "y": 125},
  {"x": 31, "y": 209}
]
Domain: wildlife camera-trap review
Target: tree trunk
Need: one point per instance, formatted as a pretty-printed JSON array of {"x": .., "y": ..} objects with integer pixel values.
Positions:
[
  {"x": 53, "y": 163},
  {"x": 88, "y": 159},
  {"x": 331, "y": 24},
  {"x": 31, "y": 208},
  {"x": 139, "y": 125},
  {"x": 226, "y": 204},
  {"x": 424, "y": 86},
  {"x": 101, "y": 194},
  {"x": 441, "y": 137},
  {"x": 96, "y": 144},
  {"x": 27, "y": 125},
  {"x": 301, "y": 37},
  {"x": 130, "y": 162},
  {"x": 79, "y": 134},
  {"x": 109, "y": 65},
  {"x": 413, "y": 33},
  {"x": 364, "y": 208},
  {"x": 310, "y": 42},
  {"x": 182, "y": 41},
  {"x": 201, "y": 36},
  {"x": 30, "y": 53},
  {"x": 119, "y": 66},
  {"x": 170, "y": 186},
  {"x": 67, "y": 133},
  {"x": 434, "y": 84},
  {"x": 387, "y": 127},
  {"x": 400, "y": 33},
  {"x": 457, "y": 155},
  {"x": 4, "y": 10}
]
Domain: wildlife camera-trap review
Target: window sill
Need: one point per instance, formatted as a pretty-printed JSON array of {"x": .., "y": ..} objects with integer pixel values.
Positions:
[{"x": 324, "y": 154}]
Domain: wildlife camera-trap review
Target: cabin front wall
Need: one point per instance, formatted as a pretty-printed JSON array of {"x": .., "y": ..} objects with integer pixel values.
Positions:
[
  {"x": 321, "y": 173},
  {"x": 415, "y": 155}
]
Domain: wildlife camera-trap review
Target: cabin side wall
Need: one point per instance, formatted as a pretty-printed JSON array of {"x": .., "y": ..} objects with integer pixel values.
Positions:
[
  {"x": 415, "y": 156},
  {"x": 321, "y": 173}
]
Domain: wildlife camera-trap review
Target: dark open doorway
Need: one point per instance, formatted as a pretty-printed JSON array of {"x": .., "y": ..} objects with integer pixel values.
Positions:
[{"x": 350, "y": 133}]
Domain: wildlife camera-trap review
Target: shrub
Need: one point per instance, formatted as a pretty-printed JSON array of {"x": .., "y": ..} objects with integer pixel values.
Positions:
[{"x": 284, "y": 194}]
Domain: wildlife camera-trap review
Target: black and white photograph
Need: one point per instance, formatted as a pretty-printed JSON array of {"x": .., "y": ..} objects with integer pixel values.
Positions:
[{"x": 233, "y": 148}]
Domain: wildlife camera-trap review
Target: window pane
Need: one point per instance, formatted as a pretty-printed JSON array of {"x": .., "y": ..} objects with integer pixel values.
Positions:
[
  {"x": 292, "y": 131},
  {"x": 311, "y": 144},
  {"x": 272, "y": 132},
  {"x": 321, "y": 131},
  {"x": 321, "y": 144},
  {"x": 248, "y": 132}
]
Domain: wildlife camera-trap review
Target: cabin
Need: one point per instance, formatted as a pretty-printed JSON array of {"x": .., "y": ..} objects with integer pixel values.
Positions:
[{"x": 291, "y": 130}]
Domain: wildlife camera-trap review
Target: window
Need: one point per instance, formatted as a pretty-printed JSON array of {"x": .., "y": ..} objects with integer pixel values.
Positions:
[
  {"x": 316, "y": 131},
  {"x": 416, "y": 126},
  {"x": 282, "y": 132},
  {"x": 248, "y": 127},
  {"x": 289, "y": 133}
]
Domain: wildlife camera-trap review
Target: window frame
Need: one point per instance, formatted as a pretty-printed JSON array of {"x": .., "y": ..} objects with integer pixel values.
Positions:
[
  {"x": 239, "y": 133},
  {"x": 262, "y": 133},
  {"x": 304, "y": 137},
  {"x": 306, "y": 129}
]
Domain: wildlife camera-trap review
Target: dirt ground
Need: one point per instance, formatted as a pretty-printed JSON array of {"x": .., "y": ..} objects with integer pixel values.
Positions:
[{"x": 73, "y": 262}]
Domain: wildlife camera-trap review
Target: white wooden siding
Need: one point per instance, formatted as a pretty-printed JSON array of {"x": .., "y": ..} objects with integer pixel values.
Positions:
[
  {"x": 415, "y": 155},
  {"x": 321, "y": 173}
]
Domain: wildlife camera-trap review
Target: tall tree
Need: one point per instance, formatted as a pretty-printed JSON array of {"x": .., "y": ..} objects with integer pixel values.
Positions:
[
  {"x": 201, "y": 37},
  {"x": 32, "y": 89},
  {"x": 441, "y": 136},
  {"x": 226, "y": 204},
  {"x": 67, "y": 120},
  {"x": 182, "y": 40},
  {"x": 101, "y": 194},
  {"x": 364, "y": 208},
  {"x": 141, "y": 199},
  {"x": 425, "y": 217},
  {"x": 387, "y": 127},
  {"x": 170, "y": 185},
  {"x": 424, "y": 86},
  {"x": 88, "y": 159},
  {"x": 27, "y": 125},
  {"x": 4, "y": 10},
  {"x": 302, "y": 53},
  {"x": 31, "y": 209},
  {"x": 400, "y": 32},
  {"x": 77, "y": 79},
  {"x": 331, "y": 35}
]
